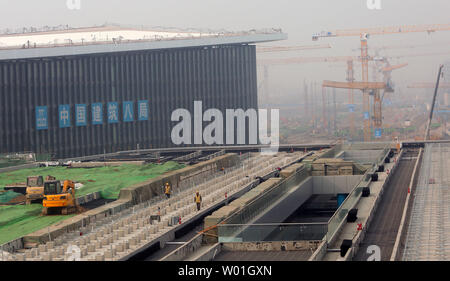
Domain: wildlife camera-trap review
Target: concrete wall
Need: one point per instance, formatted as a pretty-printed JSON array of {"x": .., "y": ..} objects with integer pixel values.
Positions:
[
  {"x": 12, "y": 246},
  {"x": 88, "y": 198},
  {"x": 184, "y": 251},
  {"x": 361, "y": 156},
  {"x": 334, "y": 184},
  {"x": 151, "y": 188},
  {"x": 271, "y": 246}
]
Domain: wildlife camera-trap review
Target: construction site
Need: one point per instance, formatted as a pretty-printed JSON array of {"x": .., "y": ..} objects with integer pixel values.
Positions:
[{"x": 134, "y": 143}]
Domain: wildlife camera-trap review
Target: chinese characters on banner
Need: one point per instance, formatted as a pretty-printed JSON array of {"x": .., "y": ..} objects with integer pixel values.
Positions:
[
  {"x": 41, "y": 118},
  {"x": 97, "y": 115}
]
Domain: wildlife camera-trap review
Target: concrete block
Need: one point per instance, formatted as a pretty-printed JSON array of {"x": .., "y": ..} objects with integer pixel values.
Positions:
[
  {"x": 42, "y": 248},
  {"x": 99, "y": 257},
  {"x": 35, "y": 252},
  {"x": 91, "y": 248},
  {"x": 119, "y": 248},
  {"x": 29, "y": 254},
  {"x": 46, "y": 257},
  {"x": 59, "y": 251},
  {"x": 51, "y": 245},
  {"x": 109, "y": 254},
  {"x": 84, "y": 251}
]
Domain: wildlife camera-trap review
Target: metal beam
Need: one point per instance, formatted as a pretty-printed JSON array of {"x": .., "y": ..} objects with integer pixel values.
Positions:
[{"x": 354, "y": 85}]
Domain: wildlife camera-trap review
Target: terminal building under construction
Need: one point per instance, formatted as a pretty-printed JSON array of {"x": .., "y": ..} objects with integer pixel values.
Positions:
[{"x": 77, "y": 99}]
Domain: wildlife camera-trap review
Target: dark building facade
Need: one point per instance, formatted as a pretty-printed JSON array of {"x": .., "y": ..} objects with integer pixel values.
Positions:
[{"x": 90, "y": 104}]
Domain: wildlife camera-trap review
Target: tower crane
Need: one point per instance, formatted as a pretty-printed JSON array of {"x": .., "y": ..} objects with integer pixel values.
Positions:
[{"x": 365, "y": 85}]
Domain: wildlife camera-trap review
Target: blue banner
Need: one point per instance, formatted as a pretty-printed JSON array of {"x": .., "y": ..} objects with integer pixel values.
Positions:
[
  {"x": 128, "y": 114},
  {"x": 378, "y": 133},
  {"x": 41, "y": 118},
  {"x": 80, "y": 115},
  {"x": 113, "y": 112},
  {"x": 97, "y": 113},
  {"x": 366, "y": 115},
  {"x": 64, "y": 115},
  {"x": 351, "y": 107},
  {"x": 143, "y": 110}
]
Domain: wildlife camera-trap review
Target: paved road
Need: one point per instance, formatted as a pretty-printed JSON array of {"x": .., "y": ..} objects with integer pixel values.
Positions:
[{"x": 383, "y": 229}]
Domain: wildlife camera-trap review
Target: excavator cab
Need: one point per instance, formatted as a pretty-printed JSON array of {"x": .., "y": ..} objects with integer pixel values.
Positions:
[
  {"x": 35, "y": 181},
  {"x": 35, "y": 189},
  {"x": 52, "y": 187},
  {"x": 59, "y": 199}
]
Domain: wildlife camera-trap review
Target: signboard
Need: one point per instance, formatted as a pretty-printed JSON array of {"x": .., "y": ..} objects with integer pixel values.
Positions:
[
  {"x": 113, "y": 112},
  {"x": 41, "y": 118},
  {"x": 80, "y": 115},
  {"x": 97, "y": 114},
  {"x": 128, "y": 114},
  {"x": 366, "y": 115},
  {"x": 143, "y": 110},
  {"x": 64, "y": 115},
  {"x": 378, "y": 133}
]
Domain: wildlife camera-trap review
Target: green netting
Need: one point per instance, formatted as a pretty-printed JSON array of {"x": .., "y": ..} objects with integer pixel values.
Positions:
[
  {"x": 20, "y": 220},
  {"x": 108, "y": 180},
  {"x": 5, "y": 197}
]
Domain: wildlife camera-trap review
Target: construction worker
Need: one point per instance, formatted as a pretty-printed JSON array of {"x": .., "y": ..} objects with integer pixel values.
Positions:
[
  {"x": 167, "y": 190},
  {"x": 198, "y": 200}
]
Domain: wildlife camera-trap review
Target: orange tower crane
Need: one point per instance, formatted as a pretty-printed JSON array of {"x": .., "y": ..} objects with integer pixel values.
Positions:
[{"x": 366, "y": 86}]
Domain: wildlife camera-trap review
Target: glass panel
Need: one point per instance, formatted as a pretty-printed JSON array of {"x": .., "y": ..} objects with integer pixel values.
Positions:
[
  {"x": 263, "y": 202},
  {"x": 271, "y": 232}
]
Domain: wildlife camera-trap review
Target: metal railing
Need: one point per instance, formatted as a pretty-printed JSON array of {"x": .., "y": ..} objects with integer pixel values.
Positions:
[
  {"x": 352, "y": 199},
  {"x": 271, "y": 232},
  {"x": 262, "y": 202}
]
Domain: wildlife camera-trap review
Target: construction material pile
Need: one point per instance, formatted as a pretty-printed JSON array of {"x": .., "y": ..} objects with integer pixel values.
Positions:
[{"x": 332, "y": 167}]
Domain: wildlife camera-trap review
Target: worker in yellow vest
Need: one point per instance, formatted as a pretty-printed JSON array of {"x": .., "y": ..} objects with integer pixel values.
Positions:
[
  {"x": 198, "y": 200},
  {"x": 167, "y": 190}
]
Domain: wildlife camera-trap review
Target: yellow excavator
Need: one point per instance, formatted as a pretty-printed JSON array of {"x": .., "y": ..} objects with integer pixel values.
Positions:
[
  {"x": 35, "y": 188},
  {"x": 59, "y": 200}
]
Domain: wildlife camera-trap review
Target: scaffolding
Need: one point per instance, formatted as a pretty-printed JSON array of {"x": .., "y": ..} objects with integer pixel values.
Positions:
[{"x": 428, "y": 236}]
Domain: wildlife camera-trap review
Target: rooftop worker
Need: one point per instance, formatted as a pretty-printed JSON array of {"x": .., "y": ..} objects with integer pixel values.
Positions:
[
  {"x": 223, "y": 170},
  {"x": 198, "y": 200},
  {"x": 167, "y": 190}
]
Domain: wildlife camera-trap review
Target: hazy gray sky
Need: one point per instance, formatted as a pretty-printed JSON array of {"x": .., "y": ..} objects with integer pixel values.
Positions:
[{"x": 297, "y": 18}]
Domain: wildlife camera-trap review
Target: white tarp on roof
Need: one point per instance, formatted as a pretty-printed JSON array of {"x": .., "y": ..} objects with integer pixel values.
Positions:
[{"x": 86, "y": 36}]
